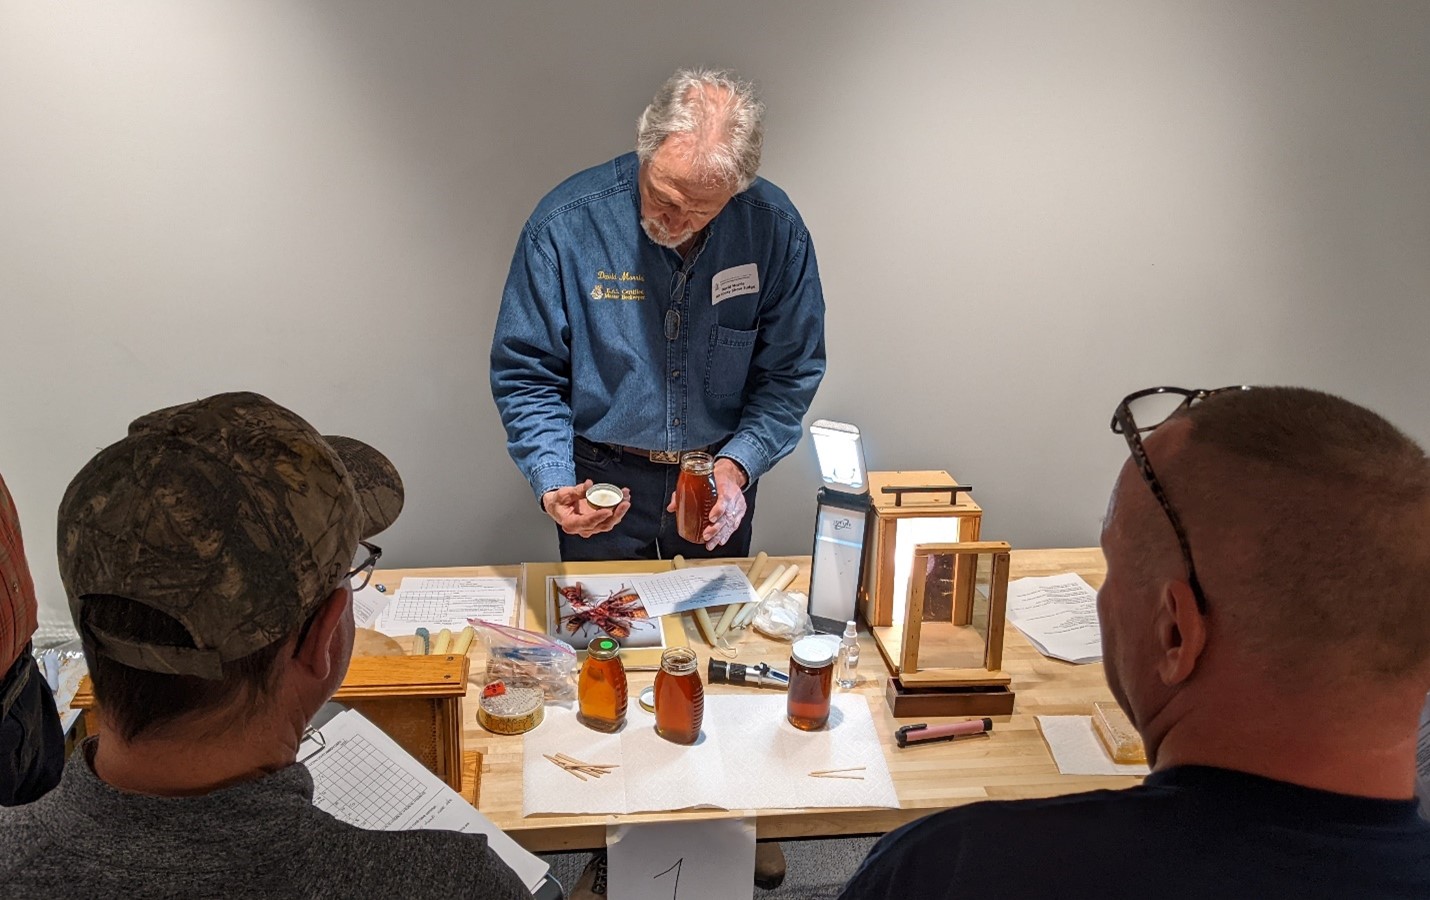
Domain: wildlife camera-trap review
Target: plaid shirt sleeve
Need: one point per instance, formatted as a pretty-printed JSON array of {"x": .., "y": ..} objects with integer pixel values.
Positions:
[{"x": 18, "y": 613}]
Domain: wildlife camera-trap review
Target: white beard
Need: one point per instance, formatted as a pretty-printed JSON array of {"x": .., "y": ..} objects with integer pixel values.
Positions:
[{"x": 656, "y": 232}]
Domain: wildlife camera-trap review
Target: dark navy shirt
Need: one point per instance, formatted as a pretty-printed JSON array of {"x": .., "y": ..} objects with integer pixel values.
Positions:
[
  {"x": 605, "y": 334},
  {"x": 1188, "y": 831}
]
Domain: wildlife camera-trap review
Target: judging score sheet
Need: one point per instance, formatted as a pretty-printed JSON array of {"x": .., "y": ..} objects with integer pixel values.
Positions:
[
  {"x": 361, "y": 776},
  {"x": 437, "y": 603}
]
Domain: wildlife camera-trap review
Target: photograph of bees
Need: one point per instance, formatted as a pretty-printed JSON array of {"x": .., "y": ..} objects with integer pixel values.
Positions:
[{"x": 593, "y": 606}]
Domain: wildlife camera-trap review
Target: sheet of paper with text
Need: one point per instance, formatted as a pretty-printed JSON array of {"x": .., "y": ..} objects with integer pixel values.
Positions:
[
  {"x": 1058, "y": 616},
  {"x": 437, "y": 603}
]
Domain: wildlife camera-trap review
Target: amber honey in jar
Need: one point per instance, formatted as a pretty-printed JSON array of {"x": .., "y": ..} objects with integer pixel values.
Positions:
[
  {"x": 811, "y": 682},
  {"x": 601, "y": 691},
  {"x": 695, "y": 495},
  {"x": 679, "y": 696}
]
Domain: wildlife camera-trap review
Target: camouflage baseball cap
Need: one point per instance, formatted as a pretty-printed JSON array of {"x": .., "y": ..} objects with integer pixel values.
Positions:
[{"x": 230, "y": 514}]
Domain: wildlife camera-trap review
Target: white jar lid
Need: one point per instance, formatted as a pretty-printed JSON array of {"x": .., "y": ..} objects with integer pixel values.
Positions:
[
  {"x": 604, "y": 496},
  {"x": 813, "y": 651}
]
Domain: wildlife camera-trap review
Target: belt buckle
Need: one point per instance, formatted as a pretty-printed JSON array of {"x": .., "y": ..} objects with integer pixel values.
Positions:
[{"x": 665, "y": 456}]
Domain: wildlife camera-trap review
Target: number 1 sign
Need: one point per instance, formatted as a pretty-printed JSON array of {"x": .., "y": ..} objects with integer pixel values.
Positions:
[{"x": 707, "y": 859}]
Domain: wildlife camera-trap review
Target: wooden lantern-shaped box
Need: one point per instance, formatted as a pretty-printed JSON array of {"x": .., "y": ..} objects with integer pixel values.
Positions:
[
  {"x": 907, "y": 509},
  {"x": 935, "y": 597}
]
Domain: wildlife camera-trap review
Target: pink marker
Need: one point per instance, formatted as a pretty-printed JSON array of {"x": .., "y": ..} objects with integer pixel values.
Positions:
[{"x": 926, "y": 734}]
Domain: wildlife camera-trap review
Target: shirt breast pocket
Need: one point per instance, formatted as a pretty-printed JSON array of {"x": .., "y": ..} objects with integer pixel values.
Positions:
[{"x": 729, "y": 364}]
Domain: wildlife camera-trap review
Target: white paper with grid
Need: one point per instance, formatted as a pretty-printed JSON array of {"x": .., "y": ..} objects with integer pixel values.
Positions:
[{"x": 749, "y": 757}]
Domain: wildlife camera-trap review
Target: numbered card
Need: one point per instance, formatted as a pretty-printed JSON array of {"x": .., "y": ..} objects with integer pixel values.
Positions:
[{"x": 709, "y": 859}]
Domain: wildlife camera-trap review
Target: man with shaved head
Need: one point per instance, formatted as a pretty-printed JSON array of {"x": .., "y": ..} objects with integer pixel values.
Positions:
[
  {"x": 663, "y": 302},
  {"x": 1266, "y": 626}
]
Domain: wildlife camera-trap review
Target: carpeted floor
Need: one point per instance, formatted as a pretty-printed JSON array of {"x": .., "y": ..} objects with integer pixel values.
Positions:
[{"x": 816, "y": 869}]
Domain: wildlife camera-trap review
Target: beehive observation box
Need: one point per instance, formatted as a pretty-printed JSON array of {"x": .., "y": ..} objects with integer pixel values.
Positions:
[
  {"x": 908, "y": 509},
  {"x": 935, "y": 596}
]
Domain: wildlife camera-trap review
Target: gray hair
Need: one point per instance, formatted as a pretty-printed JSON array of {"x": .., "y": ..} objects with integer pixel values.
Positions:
[{"x": 721, "y": 111}]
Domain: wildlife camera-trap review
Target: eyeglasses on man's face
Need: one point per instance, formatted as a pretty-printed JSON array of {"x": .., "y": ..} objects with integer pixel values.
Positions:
[
  {"x": 1143, "y": 412},
  {"x": 364, "y": 561}
]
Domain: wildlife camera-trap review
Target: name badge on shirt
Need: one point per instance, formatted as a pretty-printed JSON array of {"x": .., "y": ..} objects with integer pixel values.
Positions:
[{"x": 734, "y": 281}]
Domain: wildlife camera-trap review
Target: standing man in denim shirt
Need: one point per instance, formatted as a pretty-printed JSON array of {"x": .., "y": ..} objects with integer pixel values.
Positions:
[{"x": 662, "y": 302}]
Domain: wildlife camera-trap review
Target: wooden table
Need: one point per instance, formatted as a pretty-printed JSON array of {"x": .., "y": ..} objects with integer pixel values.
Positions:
[{"x": 1013, "y": 762}]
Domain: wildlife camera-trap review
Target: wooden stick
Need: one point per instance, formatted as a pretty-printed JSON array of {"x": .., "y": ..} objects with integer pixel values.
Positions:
[
  {"x": 576, "y": 762},
  {"x": 559, "y": 763},
  {"x": 845, "y": 769},
  {"x": 845, "y": 777}
]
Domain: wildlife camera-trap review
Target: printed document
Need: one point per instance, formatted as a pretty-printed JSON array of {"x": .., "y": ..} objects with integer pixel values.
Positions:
[
  {"x": 1058, "y": 615},
  {"x": 361, "y": 776},
  {"x": 437, "y": 603},
  {"x": 686, "y": 589}
]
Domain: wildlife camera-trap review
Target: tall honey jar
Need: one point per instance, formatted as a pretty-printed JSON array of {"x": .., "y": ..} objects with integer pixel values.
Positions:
[
  {"x": 695, "y": 495},
  {"x": 601, "y": 690},
  {"x": 679, "y": 696},
  {"x": 811, "y": 682}
]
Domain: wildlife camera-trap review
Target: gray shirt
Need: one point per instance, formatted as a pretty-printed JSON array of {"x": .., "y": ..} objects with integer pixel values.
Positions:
[{"x": 260, "y": 839}]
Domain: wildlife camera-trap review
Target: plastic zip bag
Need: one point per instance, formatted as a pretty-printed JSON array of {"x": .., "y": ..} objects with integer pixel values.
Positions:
[{"x": 528, "y": 659}]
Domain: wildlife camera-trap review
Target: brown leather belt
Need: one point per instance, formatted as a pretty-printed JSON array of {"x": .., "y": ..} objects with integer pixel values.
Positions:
[{"x": 669, "y": 457}]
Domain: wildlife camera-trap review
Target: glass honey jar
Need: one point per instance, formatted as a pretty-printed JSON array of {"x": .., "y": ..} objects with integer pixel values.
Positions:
[
  {"x": 695, "y": 495},
  {"x": 601, "y": 690},
  {"x": 811, "y": 682},
  {"x": 679, "y": 696}
]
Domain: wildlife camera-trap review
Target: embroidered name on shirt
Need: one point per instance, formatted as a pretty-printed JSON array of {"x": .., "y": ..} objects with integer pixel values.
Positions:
[
  {"x": 623, "y": 289},
  {"x": 734, "y": 282}
]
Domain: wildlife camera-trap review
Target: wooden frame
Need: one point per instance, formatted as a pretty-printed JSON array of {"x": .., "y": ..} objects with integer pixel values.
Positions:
[
  {"x": 537, "y": 597},
  {"x": 900, "y": 646},
  {"x": 876, "y": 592},
  {"x": 416, "y": 700}
]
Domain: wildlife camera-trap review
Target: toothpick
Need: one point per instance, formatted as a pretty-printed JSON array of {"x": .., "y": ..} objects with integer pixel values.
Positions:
[
  {"x": 580, "y": 769},
  {"x": 845, "y": 769},
  {"x": 563, "y": 766}
]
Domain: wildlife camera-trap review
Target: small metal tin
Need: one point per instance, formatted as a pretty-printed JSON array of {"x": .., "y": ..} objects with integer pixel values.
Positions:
[
  {"x": 647, "y": 699},
  {"x": 604, "y": 496}
]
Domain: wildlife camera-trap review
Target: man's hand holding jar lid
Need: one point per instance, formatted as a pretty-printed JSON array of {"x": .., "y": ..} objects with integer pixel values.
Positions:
[{"x": 571, "y": 509}]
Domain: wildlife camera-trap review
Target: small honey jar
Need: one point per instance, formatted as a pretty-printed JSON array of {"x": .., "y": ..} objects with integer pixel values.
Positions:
[
  {"x": 601, "y": 691},
  {"x": 811, "y": 682},
  {"x": 679, "y": 696}
]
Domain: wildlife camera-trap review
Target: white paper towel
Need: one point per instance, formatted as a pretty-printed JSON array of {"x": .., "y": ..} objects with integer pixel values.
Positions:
[
  {"x": 1077, "y": 750},
  {"x": 748, "y": 757}
]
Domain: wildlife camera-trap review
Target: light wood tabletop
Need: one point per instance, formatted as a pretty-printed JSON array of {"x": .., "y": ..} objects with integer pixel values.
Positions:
[{"x": 1013, "y": 762}]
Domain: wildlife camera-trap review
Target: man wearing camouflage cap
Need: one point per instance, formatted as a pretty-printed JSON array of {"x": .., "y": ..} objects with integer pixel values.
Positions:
[{"x": 207, "y": 558}]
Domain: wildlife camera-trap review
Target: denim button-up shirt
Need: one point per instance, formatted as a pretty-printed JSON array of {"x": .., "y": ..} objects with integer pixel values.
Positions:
[{"x": 605, "y": 334}]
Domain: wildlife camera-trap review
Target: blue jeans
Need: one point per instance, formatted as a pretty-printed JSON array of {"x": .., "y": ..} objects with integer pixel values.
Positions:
[
  {"x": 647, "y": 531},
  {"x": 32, "y": 747}
]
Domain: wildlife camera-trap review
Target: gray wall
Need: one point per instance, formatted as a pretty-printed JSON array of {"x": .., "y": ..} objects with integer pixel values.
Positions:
[{"x": 1022, "y": 212}]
